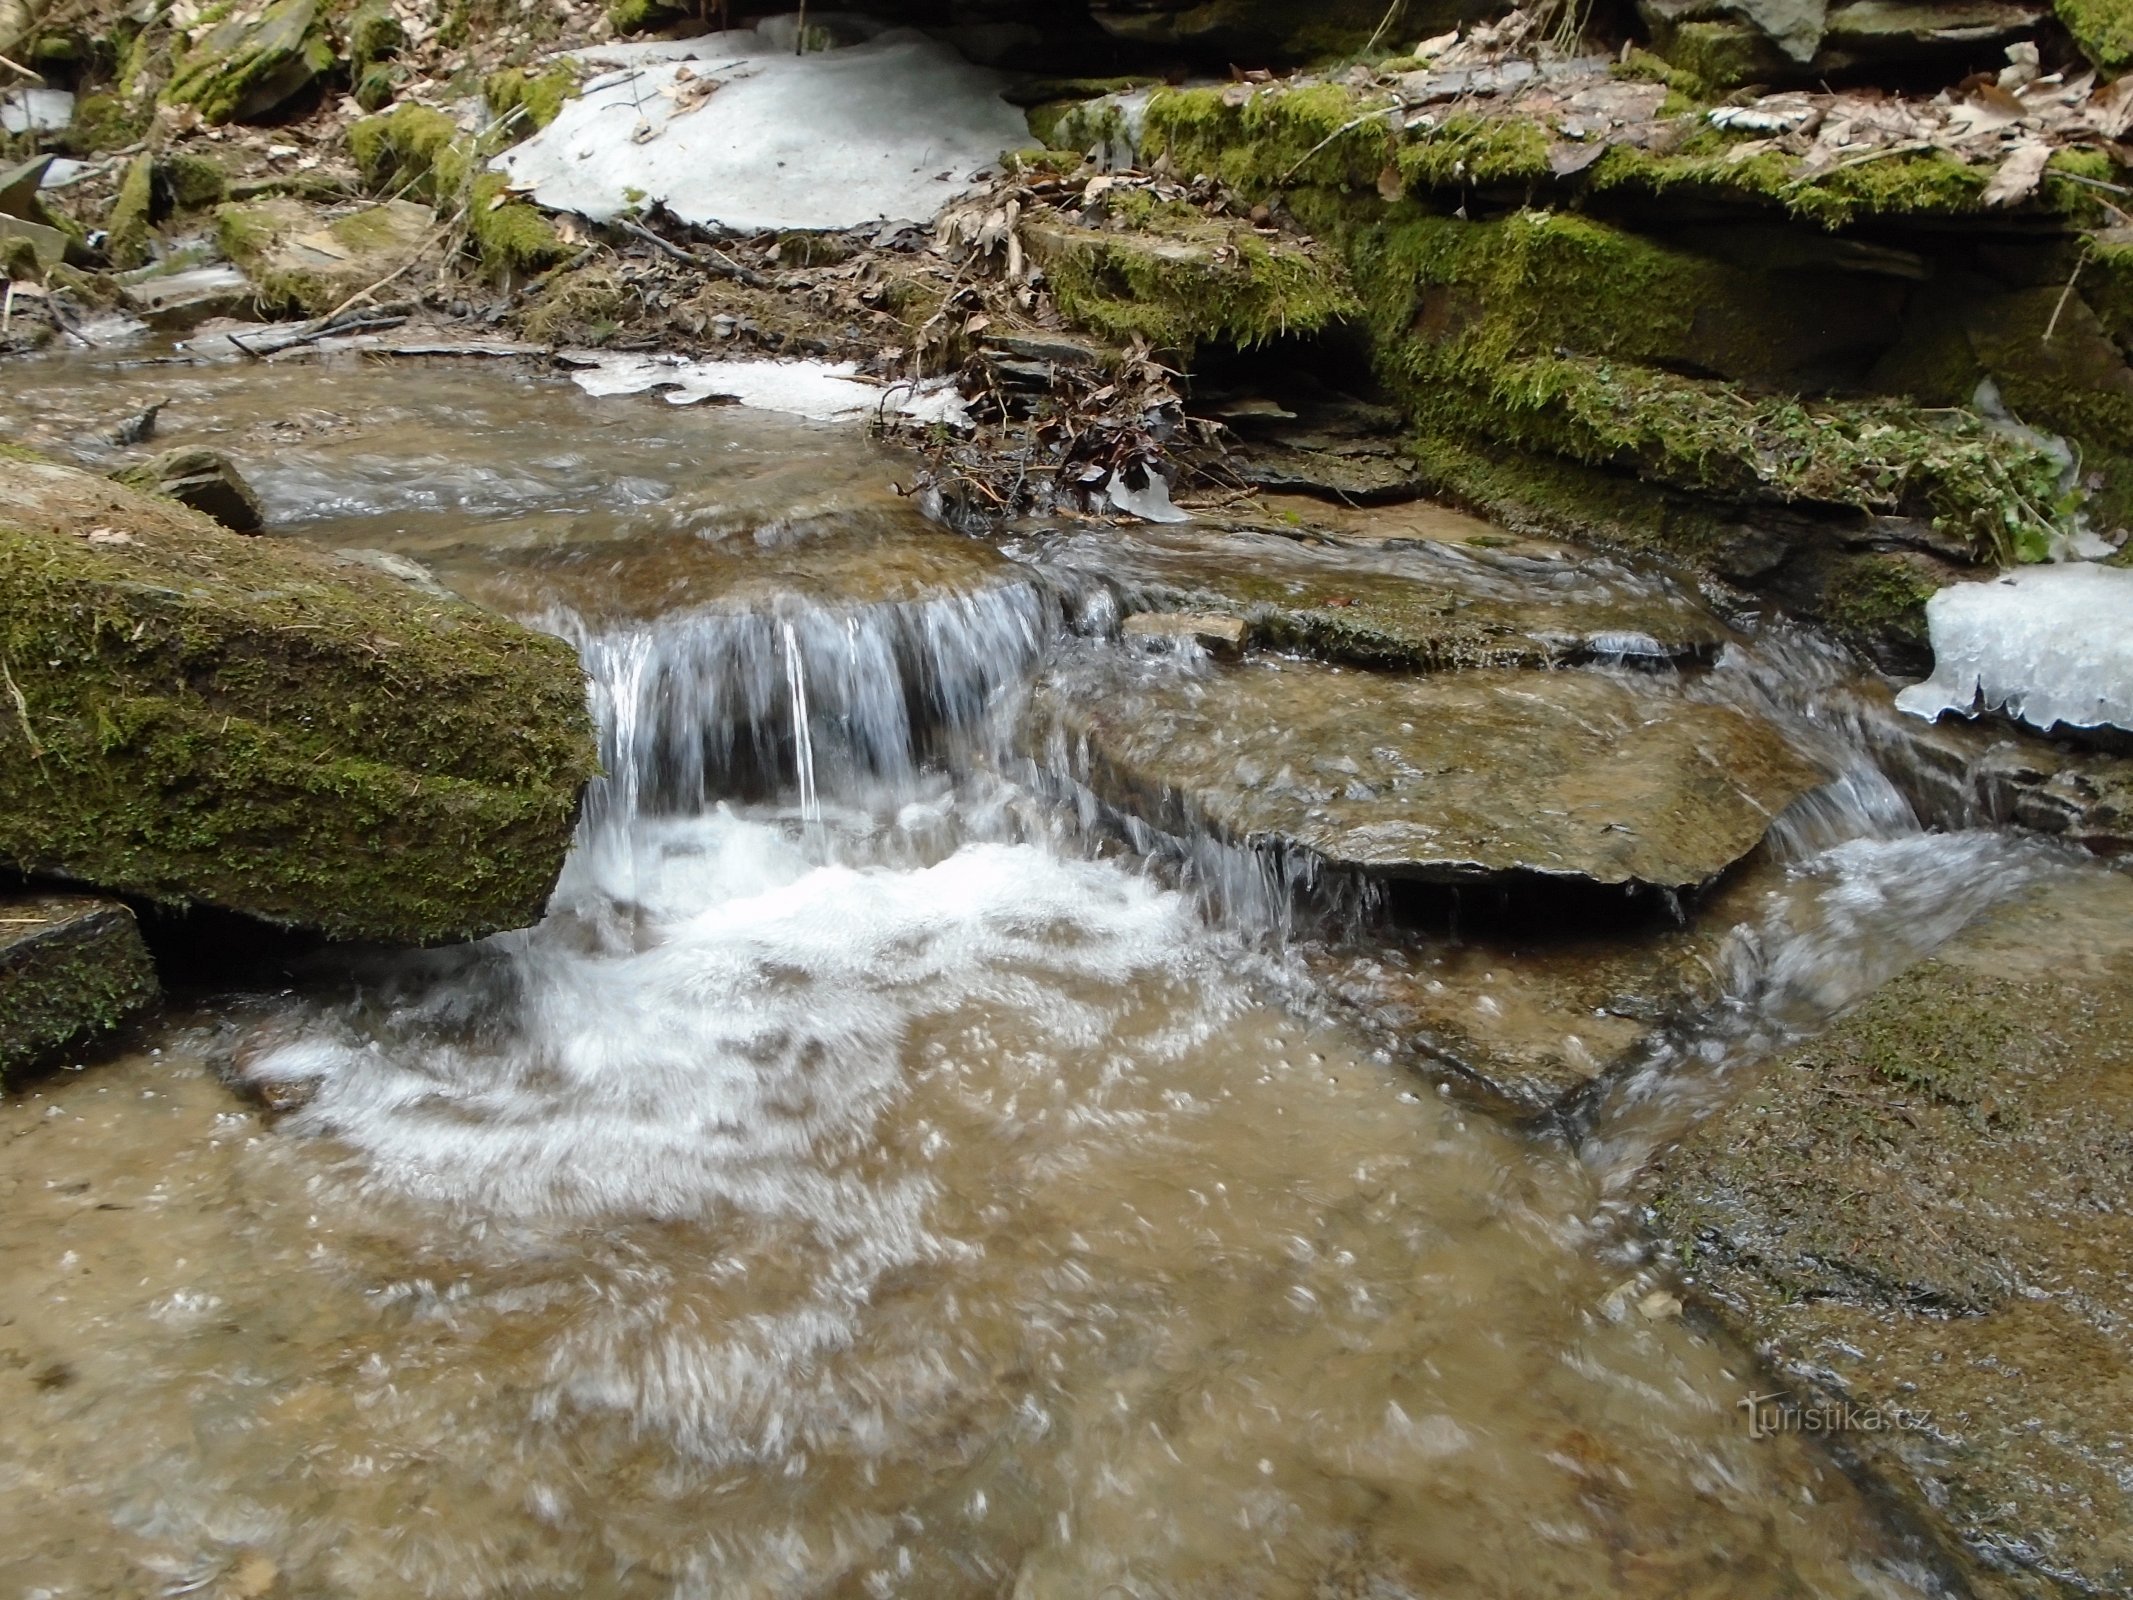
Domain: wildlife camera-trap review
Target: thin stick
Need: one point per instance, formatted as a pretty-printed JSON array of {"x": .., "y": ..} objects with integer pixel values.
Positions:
[
  {"x": 22, "y": 710},
  {"x": 799, "y": 38},
  {"x": 1347, "y": 127},
  {"x": 404, "y": 267},
  {"x": 18, "y": 67},
  {"x": 2064, "y": 295},
  {"x": 1391, "y": 11}
]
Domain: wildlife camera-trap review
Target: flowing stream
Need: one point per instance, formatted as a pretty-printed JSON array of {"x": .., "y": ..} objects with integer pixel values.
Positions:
[{"x": 871, "y": 1179}]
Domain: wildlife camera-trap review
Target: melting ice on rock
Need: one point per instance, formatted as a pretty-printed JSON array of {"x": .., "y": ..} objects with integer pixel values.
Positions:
[
  {"x": 735, "y": 131},
  {"x": 2048, "y": 644},
  {"x": 821, "y": 390}
]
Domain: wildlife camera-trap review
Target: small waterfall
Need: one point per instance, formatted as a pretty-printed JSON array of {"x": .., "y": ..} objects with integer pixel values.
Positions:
[{"x": 801, "y": 702}]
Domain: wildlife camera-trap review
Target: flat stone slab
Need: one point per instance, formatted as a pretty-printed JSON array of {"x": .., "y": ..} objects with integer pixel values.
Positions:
[
  {"x": 71, "y": 967},
  {"x": 181, "y": 300},
  {"x": 1379, "y": 598},
  {"x": 1923, "y": 1213},
  {"x": 1453, "y": 777}
]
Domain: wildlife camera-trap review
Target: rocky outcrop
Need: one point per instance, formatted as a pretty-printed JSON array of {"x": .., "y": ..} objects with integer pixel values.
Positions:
[
  {"x": 253, "y": 62},
  {"x": 197, "y": 718},
  {"x": 1731, "y": 42},
  {"x": 71, "y": 967},
  {"x": 1920, "y": 1214},
  {"x": 1450, "y": 778}
]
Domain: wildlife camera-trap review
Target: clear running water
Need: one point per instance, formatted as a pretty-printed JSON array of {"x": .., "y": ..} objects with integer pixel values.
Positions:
[{"x": 864, "y": 1182}]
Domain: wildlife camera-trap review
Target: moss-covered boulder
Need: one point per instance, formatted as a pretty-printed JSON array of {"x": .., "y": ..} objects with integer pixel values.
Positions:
[
  {"x": 1176, "y": 281},
  {"x": 198, "y": 718},
  {"x": 1922, "y": 1214},
  {"x": 251, "y": 63},
  {"x": 307, "y": 261},
  {"x": 71, "y": 967}
]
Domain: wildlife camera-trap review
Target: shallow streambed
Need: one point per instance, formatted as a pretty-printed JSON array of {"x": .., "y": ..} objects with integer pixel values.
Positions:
[{"x": 867, "y": 1180}]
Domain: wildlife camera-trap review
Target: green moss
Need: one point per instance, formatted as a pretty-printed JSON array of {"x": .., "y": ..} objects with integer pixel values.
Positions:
[
  {"x": 2103, "y": 29},
  {"x": 641, "y": 16},
  {"x": 536, "y": 100},
  {"x": 1876, "y": 601},
  {"x": 1191, "y": 282},
  {"x": 69, "y": 969},
  {"x": 374, "y": 33},
  {"x": 1720, "y": 56},
  {"x": 128, "y": 226},
  {"x": 411, "y": 150},
  {"x": 19, "y": 262},
  {"x": 104, "y": 121},
  {"x": 379, "y": 85},
  {"x": 509, "y": 235},
  {"x": 196, "y": 182},
  {"x": 246, "y": 723}
]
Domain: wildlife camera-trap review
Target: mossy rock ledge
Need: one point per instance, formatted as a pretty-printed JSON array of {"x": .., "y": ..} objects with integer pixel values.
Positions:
[
  {"x": 194, "y": 717},
  {"x": 1921, "y": 1214},
  {"x": 71, "y": 967}
]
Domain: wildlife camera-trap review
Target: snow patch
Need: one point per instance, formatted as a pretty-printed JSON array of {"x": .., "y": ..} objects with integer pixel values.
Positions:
[
  {"x": 35, "y": 110},
  {"x": 2048, "y": 644},
  {"x": 822, "y": 390},
  {"x": 734, "y": 131}
]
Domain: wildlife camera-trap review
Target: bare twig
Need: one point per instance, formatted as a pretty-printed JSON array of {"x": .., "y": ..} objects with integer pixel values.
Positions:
[
  {"x": 1343, "y": 130},
  {"x": 2065, "y": 294},
  {"x": 1391, "y": 11},
  {"x": 18, "y": 68},
  {"x": 22, "y": 710},
  {"x": 398, "y": 272}
]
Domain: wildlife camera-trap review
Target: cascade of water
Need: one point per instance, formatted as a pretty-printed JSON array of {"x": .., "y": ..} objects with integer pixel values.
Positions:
[{"x": 807, "y": 701}]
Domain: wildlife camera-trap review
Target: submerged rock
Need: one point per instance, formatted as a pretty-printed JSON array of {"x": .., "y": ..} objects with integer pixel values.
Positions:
[
  {"x": 70, "y": 967},
  {"x": 206, "y": 480},
  {"x": 1921, "y": 1213},
  {"x": 1403, "y": 600},
  {"x": 197, "y": 718},
  {"x": 1452, "y": 778}
]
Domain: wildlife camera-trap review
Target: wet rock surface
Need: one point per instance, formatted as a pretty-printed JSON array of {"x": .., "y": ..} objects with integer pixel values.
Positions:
[
  {"x": 1450, "y": 778},
  {"x": 1386, "y": 589},
  {"x": 198, "y": 718},
  {"x": 1921, "y": 1212},
  {"x": 71, "y": 967},
  {"x": 205, "y": 480},
  {"x": 1530, "y": 1017}
]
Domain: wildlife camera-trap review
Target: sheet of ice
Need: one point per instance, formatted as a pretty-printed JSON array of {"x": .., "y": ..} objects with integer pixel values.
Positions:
[
  {"x": 2047, "y": 644},
  {"x": 35, "y": 110},
  {"x": 822, "y": 390},
  {"x": 891, "y": 128}
]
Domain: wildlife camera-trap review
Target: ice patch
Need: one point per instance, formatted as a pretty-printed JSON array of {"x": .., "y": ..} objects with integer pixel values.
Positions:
[
  {"x": 2046, "y": 644},
  {"x": 735, "y": 131},
  {"x": 821, "y": 390}
]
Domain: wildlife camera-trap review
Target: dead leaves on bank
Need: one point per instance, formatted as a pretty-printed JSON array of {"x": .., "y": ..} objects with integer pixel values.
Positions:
[{"x": 2011, "y": 121}]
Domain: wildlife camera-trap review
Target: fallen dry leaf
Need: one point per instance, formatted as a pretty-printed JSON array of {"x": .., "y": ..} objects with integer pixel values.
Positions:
[{"x": 2019, "y": 174}]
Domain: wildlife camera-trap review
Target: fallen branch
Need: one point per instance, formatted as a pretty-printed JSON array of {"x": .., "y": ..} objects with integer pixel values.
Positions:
[{"x": 717, "y": 265}]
